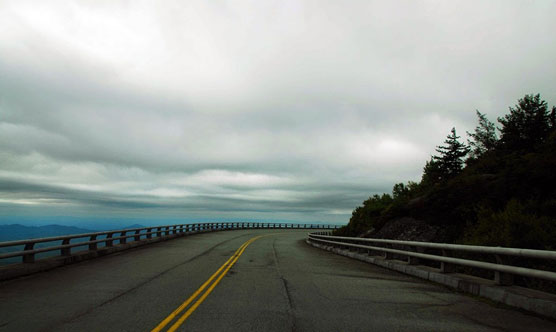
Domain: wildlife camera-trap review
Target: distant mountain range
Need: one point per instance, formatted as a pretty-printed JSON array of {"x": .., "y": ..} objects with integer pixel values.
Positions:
[{"x": 20, "y": 232}]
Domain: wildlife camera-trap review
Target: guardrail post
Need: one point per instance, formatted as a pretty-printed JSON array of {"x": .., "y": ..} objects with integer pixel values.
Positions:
[
  {"x": 123, "y": 240},
  {"x": 359, "y": 250},
  {"x": 501, "y": 278},
  {"x": 93, "y": 246},
  {"x": 447, "y": 267},
  {"x": 29, "y": 258},
  {"x": 65, "y": 251},
  {"x": 137, "y": 237},
  {"x": 149, "y": 235},
  {"x": 388, "y": 255},
  {"x": 159, "y": 231},
  {"x": 412, "y": 260},
  {"x": 109, "y": 242}
]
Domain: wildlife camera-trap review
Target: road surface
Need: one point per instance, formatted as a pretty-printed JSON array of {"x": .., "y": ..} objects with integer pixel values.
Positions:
[{"x": 278, "y": 283}]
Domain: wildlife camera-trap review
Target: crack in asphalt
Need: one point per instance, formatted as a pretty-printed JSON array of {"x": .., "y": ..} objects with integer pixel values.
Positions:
[{"x": 287, "y": 290}]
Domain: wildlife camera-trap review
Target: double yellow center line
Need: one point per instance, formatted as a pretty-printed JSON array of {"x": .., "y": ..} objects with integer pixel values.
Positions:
[{"x": 218, "y": 275}]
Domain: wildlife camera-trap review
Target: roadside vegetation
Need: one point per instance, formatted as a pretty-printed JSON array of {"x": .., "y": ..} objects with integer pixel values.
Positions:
[{"x": 498, "y": 188}]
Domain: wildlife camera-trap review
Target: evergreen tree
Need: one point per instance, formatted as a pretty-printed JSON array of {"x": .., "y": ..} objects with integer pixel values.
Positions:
[
  {"x": 527, "y": 125},
  {"x": 400, "y": 191},
  {"x": 484, "y": 138},
  {"x": 451, "y": 156},
  {"x": 431, "y": 173}
]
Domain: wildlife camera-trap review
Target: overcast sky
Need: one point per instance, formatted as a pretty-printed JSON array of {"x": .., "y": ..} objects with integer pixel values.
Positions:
[{"x": 291, "y": 110}]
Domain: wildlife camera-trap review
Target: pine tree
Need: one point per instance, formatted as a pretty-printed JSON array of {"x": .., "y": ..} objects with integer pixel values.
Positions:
[
  {"x": 484, "y": 138},
  {"x": 431, "y": 173},
  {"x": 450, "y": 161}
]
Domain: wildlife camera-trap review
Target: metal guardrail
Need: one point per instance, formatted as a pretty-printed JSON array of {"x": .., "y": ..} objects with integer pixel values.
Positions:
[
  {"x": 503, "y": 273},
  {"x": 108, "y": 238}
]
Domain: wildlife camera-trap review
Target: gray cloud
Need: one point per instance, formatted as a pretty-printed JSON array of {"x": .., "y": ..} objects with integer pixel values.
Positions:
[{"x": 292, "y": 109}]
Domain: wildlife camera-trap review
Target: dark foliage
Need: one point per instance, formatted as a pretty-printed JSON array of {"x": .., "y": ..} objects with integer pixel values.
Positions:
[
  {"x": 505, "y": 195},
  {"x": 450, "y": 160},
  {"x": 527, "y": 125},
  {"x": 484, "y": 138}
]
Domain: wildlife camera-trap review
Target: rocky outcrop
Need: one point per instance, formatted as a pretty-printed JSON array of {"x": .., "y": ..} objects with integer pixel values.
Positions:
[{"x": 408, "y": 229}]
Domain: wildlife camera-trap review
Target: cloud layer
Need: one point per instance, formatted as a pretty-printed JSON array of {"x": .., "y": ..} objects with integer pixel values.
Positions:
[{"x": 276, "y": 109}]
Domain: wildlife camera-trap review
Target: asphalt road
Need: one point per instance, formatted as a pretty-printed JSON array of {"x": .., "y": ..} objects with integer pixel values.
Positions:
[{"x": 279, "y": 283}]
